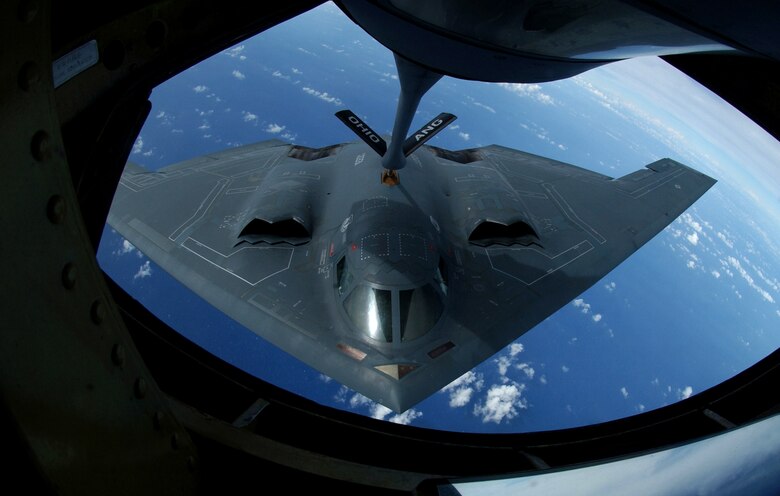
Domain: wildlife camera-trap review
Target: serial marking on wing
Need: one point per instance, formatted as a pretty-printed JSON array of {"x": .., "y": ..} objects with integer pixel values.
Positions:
[
  {"x": 220, "y": 260},
  {"x": 571, "y": 214},
  {"x": 544, "y": 263}
]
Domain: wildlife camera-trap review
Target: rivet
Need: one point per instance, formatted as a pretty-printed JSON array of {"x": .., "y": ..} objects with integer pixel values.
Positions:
[
  {"x": 55, "y": 209},
  {"x": 175, "y": 441},
  {"x": 97, "y": 312},
  {"x": 27, "y": 10},
  {"x": 29, "y": 76},
  {"x": 157, "y": 421},
  {"x": 118, "y": 355},
  {"x": 191, "y": 463},
  {"x": 40, "y": 146},
  {"x": 69, "y": 275},
  {"x": 140, "y": 388}
]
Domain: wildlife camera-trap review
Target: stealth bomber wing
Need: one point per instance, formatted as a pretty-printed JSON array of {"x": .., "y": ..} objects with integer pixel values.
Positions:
[{"x": 393, "y": 291}]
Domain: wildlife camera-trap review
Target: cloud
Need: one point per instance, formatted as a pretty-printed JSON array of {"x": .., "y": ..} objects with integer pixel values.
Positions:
[
  {"x": 406, "y": 418},
  {"x": 324, "y": 378},
  {"x": 691, "y": 264},
  {"x": 486, "y": 107},
  {"x": 543, "y": 379},
  {"x": 200, "y": 88},
  {"x": 239, "y": 75},
  {"x": 596, "y": 317},
  {"x": 138, "y": 146},
  {"x": 743, "y": 272},
  {"x": 526, "y": 369},
  {"x": 322, "y": 96},
  {"x": 515, "y": 348},
  {"x": 248, "y": 116},
  {"x": 464, "y": 136},
  {"x": 280, "y": 75},
  {"x": 462, "y": 388},
  {"x": 685, "y": 392},
  {"x": 502, "y": 402},
  {"x": 624, "y": 392},
  {"x": 236, "y": 52},
  {"x": 144, "y": 270},
  {"x": 296, "y": 71},
  {"x": 377, "y": 411},
  {"x": 715, "y": 274},
  {"x": 580, "y": 303},
  {"x": 693, "y": 238},
  {"x": 533, "y": 91},
  {"x": 274, "y": 128},
  {"x": 610, "y": 286},
  {"x": 725, "y": 239},
  {"x": 125, "y": 248},
  {"x": 565, "y": 369}
]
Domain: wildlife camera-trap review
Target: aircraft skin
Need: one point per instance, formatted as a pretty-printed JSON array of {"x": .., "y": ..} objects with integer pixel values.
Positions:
[{"x": 394, "y": 291}]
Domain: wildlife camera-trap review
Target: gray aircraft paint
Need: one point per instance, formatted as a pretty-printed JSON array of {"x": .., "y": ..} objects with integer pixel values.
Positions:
[{"x": 263, "y": 236}]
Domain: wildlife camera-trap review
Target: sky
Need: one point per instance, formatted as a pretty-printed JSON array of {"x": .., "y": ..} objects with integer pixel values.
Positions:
[{"x": 693, "y": 307}]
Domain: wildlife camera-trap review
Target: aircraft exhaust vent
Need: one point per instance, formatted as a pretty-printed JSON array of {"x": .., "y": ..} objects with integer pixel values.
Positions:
[
  {"x": 290, "y": 231},
  {"x": 460, "y": 156},
  {"x": 494, "y": 233},
  {"x": 309, "y": 154}
]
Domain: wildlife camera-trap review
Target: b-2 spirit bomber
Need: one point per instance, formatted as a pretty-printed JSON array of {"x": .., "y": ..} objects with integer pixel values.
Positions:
[{"x": 393, "y": 268}]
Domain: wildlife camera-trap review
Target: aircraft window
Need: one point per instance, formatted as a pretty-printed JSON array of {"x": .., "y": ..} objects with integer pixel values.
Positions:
[
  {"x": 441, "y": 275},
  {"x": 420, "y": 310},
  {"x": 371, "y": 311},
  {"x": 343, "y": 276}
]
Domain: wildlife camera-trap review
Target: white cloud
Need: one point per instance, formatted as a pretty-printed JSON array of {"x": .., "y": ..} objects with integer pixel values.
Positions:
[
  {"x": 715, "y": 274},
  {"x": 501, "y": 402},
  {"x": 610, "y": 286},
  {"x": 239, "y": 75},
  {"x": 640, "y": 407},
  {"x": 380, "y": 412},
  {"x": 685, "y": 392},
  {"x": 503, "y": 364},
  {"x": 248, "y": 116},
  {"x": 691, "y": 264},
  {"x": 596, "y": 317},
  {"x": 160, "y": 114},
  {"x": 280, "y": 75},
  {"x": 515, "y": 348},
  {"x": 406, "y": 418},
  {"x": 235, "y": 52},
  {"x": 322, "y": 96},
  {"x": 274, "y": 128},
  {"x": 127, "y": 247},
  {"x": 464, "y": 136},
  {"x": 138, "y": 146},
  {"x": 580, "y": 303},
  {"x": 200, "y": 88},
  {"x": 693, "y": 238},
  {"x": 565, "y": 369},
  {"x": 462, "y": 388},
  {"x": 533, "y": 91},
  {"x": 144, "y": 270},
  {"x": 624, "y": 392},
  {"x": 738, "y": 266},
  {"x": 725, "y": 239},
  {"x": 324, "y": 378},
  {"x": 296, "y": 71},
  {"x": 543, "y": 379},
  {"x": 526, "y": 369},
  {"x": 486, "y": 107}
]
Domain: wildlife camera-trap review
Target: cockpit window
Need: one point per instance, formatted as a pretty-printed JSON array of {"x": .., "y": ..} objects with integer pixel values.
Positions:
[
  {"x": 371, "y": 311},
  {"x": 343, "y": 276},
  {"x": 420, "y": 310}
]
